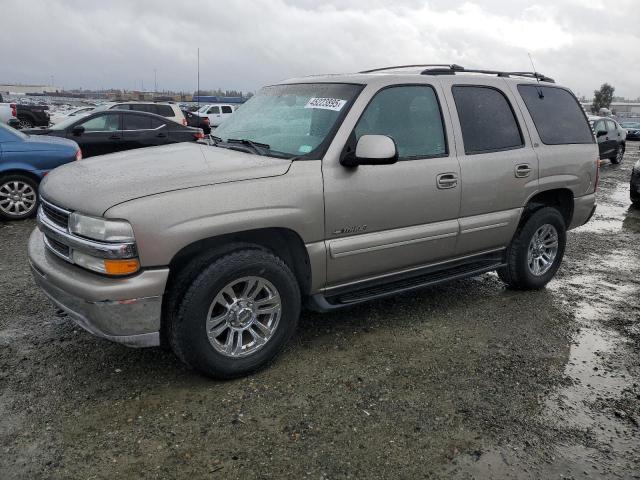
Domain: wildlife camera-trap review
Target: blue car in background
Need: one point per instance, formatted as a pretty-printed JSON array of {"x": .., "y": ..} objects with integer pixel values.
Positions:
[{"x": 24, "y": 161}]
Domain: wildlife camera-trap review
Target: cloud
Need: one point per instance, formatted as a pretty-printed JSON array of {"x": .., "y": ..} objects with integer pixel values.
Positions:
[{"x": 246, "y": 44}]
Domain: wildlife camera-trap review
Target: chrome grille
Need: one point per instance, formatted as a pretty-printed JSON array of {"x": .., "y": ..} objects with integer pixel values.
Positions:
[
  {"x": 58, "y": 248},
  {"x": 56, "y": 215}
]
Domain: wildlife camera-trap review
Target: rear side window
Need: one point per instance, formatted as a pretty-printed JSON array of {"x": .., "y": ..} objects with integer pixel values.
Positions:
[
  {"x": 226, "y": 109},
  {"x": 136, "y": 122},
  {"x": 165, "y": 111},
  {"x": 143, "y": 107},
  {"x": 556, "y": 114},
  {"x": 487, "y": 119}
]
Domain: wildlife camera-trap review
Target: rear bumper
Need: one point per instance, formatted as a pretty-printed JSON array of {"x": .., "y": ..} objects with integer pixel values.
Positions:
[
  {"x": 123, "y": 310},
  {"x": 583, "y": 209}
]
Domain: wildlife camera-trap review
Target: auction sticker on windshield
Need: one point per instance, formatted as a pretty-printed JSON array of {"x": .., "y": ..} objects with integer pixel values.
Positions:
[{"x": 326, "y": 103}]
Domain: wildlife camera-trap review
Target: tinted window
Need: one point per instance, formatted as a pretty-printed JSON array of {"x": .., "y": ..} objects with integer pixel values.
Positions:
[
  {"x": 611, "y": 126},
  {"x": 165, "y": 111},
  {"x": 226, "y": 109},
  {"x": 557, "y": 116},
  {"x": 155, "y": 123},
  {"x": 143, "y": 107},
  {"x": 136, "y": 122},
  {"x": 411, "y": 116},
  {"x": 600, "y": 125},
  {"x": 214, "y": 110},
  {"x": 124, "y": 106},
  {"x": 101, "y": 123},
  {"x": 487, "y": 120}
]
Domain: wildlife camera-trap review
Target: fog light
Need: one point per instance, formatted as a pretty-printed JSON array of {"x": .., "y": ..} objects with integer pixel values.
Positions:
[{"x": 107, "y": 266}]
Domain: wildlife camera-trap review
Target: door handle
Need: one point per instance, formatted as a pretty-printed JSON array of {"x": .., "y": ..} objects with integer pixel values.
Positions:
[
  {"x": 161, "y": 135},
  {"x": 446, "y": 180},
  {"x": 523, "y": 170},
  {"x": 114, "y": 137}
]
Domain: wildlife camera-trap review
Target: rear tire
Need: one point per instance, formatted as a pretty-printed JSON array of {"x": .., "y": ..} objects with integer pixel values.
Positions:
[
  {"x": 619, "y": 156},
  {"x": 24, "y": 123},
  {"x": 18, "y": 197},
  {"x": 236, "y": 315},
  {"x": 532, "y": 248}
]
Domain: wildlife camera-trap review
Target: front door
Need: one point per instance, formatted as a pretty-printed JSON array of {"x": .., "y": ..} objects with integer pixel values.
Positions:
[
  {"x": 102, "y": 134},
  {"x": 385, "y": 218}
]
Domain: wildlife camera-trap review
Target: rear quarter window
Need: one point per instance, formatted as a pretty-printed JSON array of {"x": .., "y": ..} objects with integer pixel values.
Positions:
[
  {"x": 165, "y": 111},
  {"x": 557, "y": 115}
]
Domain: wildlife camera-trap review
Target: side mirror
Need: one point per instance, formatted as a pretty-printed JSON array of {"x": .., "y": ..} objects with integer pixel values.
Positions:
[
  {"x": 373, "y": 150},
  {"x": 601, "y": 133},
  {"x": 78, "y": 130}
]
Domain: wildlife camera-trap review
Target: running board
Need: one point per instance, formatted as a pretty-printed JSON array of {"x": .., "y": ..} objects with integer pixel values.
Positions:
[{"x": 324, "y": 303}]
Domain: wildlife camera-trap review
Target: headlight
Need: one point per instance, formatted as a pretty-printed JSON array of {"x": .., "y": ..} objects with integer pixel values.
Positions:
[{"x": 100, "y": 229}]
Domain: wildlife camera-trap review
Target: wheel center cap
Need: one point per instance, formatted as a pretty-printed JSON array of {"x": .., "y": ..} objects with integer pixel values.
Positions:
[{"x": 241, "y": 316}]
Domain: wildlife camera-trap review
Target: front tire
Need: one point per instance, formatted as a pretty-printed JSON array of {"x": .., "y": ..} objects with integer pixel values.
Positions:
[
  {"x": 18, "y": 197},
  {"x": 536, "y": 251},
  {"x": 619, "y": 156},
  {"x": 237, "y": 314}
]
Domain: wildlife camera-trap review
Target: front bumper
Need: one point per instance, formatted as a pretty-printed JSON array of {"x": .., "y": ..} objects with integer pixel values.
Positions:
[{"x": 123, "y": 310}]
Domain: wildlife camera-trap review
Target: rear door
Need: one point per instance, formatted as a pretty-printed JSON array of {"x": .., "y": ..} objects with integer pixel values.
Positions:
[
  {"x": 142, "y": 131},
  {"x": 215, "y": 117},
  {"x": 226, "y": 111},
  {"x": 498, "y": 166},
  {"x": 102, "y": 134}
]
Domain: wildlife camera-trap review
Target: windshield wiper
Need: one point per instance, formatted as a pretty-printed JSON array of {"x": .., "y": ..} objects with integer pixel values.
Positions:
[{"x": 258, "y": 147}]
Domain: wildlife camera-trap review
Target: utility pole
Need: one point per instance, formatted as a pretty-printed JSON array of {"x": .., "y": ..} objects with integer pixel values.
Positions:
[
  {"x": 198, "y": 89},
  {"x": 155, "y": 83}
]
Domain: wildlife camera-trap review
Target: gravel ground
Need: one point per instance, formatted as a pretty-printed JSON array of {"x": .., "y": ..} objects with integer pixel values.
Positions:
[{"x": 467, "y": 380}]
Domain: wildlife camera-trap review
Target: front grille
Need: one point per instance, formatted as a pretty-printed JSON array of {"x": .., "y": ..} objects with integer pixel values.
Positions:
[
  {"x": 57, "y": 215},
  {"x": 58, "y": 247}
]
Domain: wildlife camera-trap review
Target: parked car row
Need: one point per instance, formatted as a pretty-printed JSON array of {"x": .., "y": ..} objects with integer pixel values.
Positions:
[{"x": 26, "y": 156}]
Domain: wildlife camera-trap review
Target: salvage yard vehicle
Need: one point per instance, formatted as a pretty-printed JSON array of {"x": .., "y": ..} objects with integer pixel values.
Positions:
[
  {"x": 76, "y": 112},
  {"x": 323, "y": 191},
  {"x": 633, "y": 130},
  {"x": 216, "y": 113},
  {"x": 24, "y": 161},
  {"x": 168, "y": 110},
  {"x": 611, "y": 138},
  {"x": 117, "y": 130}
]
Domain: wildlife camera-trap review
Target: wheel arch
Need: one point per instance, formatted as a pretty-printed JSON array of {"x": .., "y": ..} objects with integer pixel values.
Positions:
[
  {"x": 561, "y": 199},
  {"x": 19, "y": 171},
  {"x": 283, "y": 242}
]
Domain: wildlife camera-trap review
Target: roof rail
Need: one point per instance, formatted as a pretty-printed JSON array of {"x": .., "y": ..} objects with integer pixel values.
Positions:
[
  {"x": 445, "y": 65},
  {"x": 452, "y": 69}
]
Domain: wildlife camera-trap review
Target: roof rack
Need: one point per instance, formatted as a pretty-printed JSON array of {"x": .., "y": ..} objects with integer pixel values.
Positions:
[
  {"x": 445, "y": 65},
  {"x": 452, "y": 69}
]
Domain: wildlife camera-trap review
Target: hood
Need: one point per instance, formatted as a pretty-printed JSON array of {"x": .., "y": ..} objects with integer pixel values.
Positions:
[
  {"x": 93, "y": 186},
  {"x": 41, "y": 144}
]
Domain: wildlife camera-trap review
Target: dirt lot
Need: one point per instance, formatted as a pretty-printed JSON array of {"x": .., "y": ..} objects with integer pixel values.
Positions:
[{"x": 460, "y": 381}]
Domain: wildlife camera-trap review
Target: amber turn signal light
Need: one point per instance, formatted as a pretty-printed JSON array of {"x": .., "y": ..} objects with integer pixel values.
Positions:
[{"x": 121, "y": 267}]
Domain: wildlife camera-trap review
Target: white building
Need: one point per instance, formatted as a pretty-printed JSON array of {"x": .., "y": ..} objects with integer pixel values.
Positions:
[{"x": 19, "y": 89}]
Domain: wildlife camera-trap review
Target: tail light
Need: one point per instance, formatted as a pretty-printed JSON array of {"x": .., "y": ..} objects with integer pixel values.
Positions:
[
  {"x": 184, "y": 122},
  {"x": 14, "y": 110},
  {"x": 79, "y": 155},
  {"x": 199, "y": 135},
  {"x": 205, "y": 120}
]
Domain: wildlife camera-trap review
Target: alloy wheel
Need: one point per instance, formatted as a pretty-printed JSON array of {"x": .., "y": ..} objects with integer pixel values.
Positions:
[
  {"x": 543, "y": 249},
  {"x": 17, "y": 198},
  {"x": 243, "y": 316}
]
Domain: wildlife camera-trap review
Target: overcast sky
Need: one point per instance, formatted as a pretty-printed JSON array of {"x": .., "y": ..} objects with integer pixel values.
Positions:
[{"x": 247, "y": 44}]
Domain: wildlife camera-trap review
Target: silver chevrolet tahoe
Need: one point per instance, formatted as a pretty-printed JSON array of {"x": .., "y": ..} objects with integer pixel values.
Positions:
[{"x": 321, "y": 191}]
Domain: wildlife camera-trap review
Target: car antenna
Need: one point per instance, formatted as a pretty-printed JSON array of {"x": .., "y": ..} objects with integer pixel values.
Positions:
[{"x": 535, "y": 73}]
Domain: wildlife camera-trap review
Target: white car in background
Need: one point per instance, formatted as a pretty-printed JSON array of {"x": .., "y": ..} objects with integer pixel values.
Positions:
[
  {"x": 216, "y": 112},
  {"x": 165, "y": 109},
  {"x": 78, "y": 112}
]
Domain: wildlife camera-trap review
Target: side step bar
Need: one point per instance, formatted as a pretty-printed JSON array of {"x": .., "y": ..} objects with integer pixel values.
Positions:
[{"x": 325, "y": 303}]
